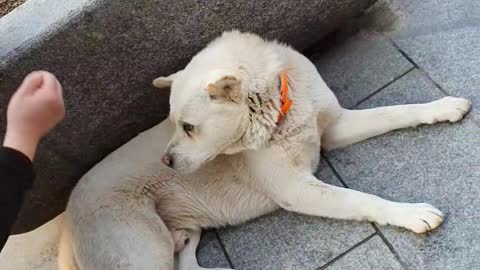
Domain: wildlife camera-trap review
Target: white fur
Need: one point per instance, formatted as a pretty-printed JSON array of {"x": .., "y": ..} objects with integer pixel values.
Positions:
[{"x": 131, "y": 210}]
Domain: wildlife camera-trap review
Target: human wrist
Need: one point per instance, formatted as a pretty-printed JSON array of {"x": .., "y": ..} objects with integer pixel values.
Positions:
[{"x": 25, "y": 143}]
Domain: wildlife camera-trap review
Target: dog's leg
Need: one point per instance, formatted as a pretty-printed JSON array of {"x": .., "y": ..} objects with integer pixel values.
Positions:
[
  {"x": 357, "y": 125},
  {"x": 129, "y": 236},
  {"x": 187, "y": 258},
  {"x": 297, "y": 190}
]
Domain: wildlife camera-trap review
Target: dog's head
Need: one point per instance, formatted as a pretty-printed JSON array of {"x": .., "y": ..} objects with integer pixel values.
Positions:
[
  {"x": 209, "y": 116},
  {"x": 217, "y": 107}
]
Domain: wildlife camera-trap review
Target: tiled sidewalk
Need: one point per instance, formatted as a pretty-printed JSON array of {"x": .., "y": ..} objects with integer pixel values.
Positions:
[{"x": 436, "y": 53}]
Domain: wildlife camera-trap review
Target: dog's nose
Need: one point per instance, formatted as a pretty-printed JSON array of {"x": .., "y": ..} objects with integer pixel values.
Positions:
[{"x": 167, "y": 160}]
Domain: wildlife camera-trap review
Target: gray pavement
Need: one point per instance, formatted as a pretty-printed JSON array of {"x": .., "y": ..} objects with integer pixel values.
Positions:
[{"x": 435, "y": 52}]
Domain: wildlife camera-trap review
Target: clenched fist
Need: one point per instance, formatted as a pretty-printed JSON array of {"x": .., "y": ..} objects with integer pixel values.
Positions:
[{"x": 35, "y": 108}]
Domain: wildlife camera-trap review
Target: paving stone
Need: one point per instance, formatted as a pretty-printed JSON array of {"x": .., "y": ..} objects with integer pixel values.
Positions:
[
  {"x": 359, "y": 66},
  {"x": 437, "y": 164},
  {"x": 413, "y": 87},
  {"x": 429, "y": 16},
  {"x": 291, "y": 241},
  {"x": 371, "y": 255},
  {"x": 210, "y": 253},
  {"x": 451, "y": 59}
]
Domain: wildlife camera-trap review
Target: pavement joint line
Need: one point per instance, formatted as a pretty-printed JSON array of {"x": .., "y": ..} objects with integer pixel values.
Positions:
[
  {"x": 440, "y": 88},
  {"x": 347, "y": 251},
  {"x": 383, "y": 87},
  {"x": 402, "y": 52},
  {"x": 377, "y": 230},
  {"x": 224, "y": 250},
  {"x": 394, "y": 44},
  {"x": 389, "y": 245},
  {"x": 334, "y": 170},
  {"x": 424, "y": 73}
]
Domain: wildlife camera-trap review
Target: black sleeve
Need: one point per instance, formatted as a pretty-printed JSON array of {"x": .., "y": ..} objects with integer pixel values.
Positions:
[{"x": 16, "y": 176}]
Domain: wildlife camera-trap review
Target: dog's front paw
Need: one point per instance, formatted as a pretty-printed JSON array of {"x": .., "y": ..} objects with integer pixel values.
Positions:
[
  {"x": 450, "y": 109},
  {"x": 418, "y": 217}
]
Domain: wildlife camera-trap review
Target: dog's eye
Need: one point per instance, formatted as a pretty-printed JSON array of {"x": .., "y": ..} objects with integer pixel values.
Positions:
[{"x": 188, "y": 128}]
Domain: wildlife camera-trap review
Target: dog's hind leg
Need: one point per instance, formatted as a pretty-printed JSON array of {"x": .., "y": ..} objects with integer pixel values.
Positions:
[
  {"x": 127, "y": 236},
  {"x": 357, "y": 125},
  {"x": 187, "y": 258}
]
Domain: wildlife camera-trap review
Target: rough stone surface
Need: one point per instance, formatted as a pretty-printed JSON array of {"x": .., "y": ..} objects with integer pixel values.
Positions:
[
  {"x": 371, "y": 255},
  {"x": 437, "y": 164},
  {"x": 34, "y": 20},
  {"x": 210, "y": 253},
  {"x": 445, "y": 45},
  {"x": 451, "y": 59},
  {"x": 286, "y": 240},
  {"x": 106, "y": 57},
  {"x": 8, "y": 5},
  {"x": 431, "y": 16},
  {"x": 359, "y": 66},
  {"x": 413, "y": 87},
  {"x": 59, "y": 174}
]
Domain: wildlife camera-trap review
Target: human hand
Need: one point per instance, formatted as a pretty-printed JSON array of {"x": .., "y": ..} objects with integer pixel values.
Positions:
[{"x": 35, "y": 108}]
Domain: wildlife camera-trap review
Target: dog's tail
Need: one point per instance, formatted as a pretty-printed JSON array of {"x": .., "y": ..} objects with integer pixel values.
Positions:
[{"x": 66, "y": 257}]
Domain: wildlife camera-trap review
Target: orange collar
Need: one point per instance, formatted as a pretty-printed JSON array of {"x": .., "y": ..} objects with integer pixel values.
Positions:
[{"x": 285, "y": 102}]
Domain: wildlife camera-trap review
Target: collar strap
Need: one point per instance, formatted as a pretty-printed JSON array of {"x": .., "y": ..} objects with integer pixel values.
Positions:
[{"x": 285, "y": 102}]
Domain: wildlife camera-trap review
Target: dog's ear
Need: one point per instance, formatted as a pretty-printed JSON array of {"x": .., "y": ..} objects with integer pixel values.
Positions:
[
  {"x": 163, "y": 82},
  {"x": 227, "y": 88}
]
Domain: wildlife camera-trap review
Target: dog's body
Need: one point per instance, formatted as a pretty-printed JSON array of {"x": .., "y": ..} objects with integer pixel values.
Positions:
[
  {"x": 244, "y": 159},
  {"x": 126, "y": 204}
]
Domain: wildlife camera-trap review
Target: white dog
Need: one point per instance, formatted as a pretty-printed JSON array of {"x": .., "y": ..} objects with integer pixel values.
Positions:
[{"x": 247, "y": 120}]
